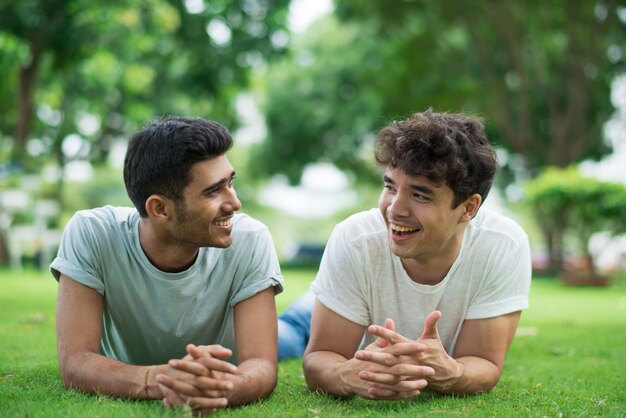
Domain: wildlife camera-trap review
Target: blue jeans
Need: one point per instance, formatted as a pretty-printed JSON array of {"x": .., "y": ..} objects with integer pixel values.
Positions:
[{"x": 294, "y": 327}]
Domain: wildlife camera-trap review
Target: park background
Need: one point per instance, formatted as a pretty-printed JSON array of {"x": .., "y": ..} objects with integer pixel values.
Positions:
[{"x": 304, "y": 85}]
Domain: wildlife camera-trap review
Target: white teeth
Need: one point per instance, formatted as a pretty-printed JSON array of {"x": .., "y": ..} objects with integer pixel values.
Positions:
[
  {"x": 399, "y": 228},
  {"x": 224, "y": 222}
]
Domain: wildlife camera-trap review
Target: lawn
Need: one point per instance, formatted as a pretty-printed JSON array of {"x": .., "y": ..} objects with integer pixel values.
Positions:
[{"x": 569, "y": 359}]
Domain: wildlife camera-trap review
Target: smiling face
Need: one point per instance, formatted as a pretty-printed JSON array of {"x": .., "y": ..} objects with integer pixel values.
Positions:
[
  {"x": 204, "y": 217},
  {"x": 421, "y": 223}
]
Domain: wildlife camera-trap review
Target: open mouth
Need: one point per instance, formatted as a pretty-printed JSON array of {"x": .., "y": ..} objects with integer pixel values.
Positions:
[
  {"x": 223, "y": 222},
  {"x": 399, "y": 230}
]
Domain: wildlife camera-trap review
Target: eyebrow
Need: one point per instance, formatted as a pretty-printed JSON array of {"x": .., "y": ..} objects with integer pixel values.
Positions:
[
  {"x": 212, "y": 187},
  {"x": 417, "y": 187}
]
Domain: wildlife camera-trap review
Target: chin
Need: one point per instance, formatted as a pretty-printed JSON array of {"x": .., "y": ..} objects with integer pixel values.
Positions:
[
  {"x": 401, "y": 252},
  {"x": 225, "y": 244}
]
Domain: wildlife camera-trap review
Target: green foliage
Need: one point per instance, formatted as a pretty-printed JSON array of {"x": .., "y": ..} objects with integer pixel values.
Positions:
[
  {"x": 105, "y": 188},
  {"x": 540, "y": 72},
  {"x": 99, "y": 69},
  {"x": 567, "y": 360},
  {"x": 579, "y": 205},
  {"x": 124, "y": 62},
  {"x": 319, "y": 108}
]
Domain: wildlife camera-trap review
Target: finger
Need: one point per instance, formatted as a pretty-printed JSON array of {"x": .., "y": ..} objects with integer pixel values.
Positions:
[
  {"x": 399, "y": 372},
  {"x": 377, "y": 357},
  {"x": 390, "y": 336},
  {"x": 171, "y": 399},
  {"x": 209, "y": 383},
  {"x": 203, "y": 366},
  {"x": 207, "y": 403},
  {"x": 389, "y": 324},
  {"x": 379, "y": 377},
  {"x": 214, "y": 350},
  {"x": 385, "y": 394},
  {"x": 396, "y": 373},
  {"x": 381, "y": 394},
  {"x": 396, "y": 350},
  {"x": 430, "y": 325},
  {"x": 217, "y": 365},
  {"x": 191, "y": 367},
  {"x": 197, "y": 385},
  {"x": 178, "y": 385},
  {"x": 406, "y": 385}
]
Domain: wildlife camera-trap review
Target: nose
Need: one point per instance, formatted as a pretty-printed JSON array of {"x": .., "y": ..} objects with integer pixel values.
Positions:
[
  {"x": 398, "y": 207},
  {"x": 232, "y": 201}
]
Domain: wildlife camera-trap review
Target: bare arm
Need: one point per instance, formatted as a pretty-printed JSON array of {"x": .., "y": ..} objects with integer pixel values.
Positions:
[
  {"x": 329, "y": 364},
  {"x": 333, "y": 341},
  {"x": 479, "y": 358},
  {"x": 481, "y": 349},
  {"x": 256, "y": 334},
  {"x": 254, "y": 378},
  {"x": 79, "y": 328}
]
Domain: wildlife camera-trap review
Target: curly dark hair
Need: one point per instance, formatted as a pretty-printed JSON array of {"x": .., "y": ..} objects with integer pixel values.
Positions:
[
  {"x": 443, "y": 147},
  {"x": 160, "y": 156}
]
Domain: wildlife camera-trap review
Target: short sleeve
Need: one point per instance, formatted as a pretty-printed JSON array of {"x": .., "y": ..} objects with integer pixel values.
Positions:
[
  {"x": 340, "y": 283},
  {"x": 507, "y": 285},
  {"x": 261, "y": 267},
  {"x": 78, "y": 257}
]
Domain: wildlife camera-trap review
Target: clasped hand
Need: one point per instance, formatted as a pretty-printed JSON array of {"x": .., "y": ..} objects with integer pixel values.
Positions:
[
  {"x": 200, "y": 379},
  {"x": 398, "y": 367}
]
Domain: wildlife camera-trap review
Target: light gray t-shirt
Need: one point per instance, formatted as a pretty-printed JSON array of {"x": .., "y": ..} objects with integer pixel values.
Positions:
[
  {"x": 149, "y": 316},
  {"x": 363, "y": 281}
]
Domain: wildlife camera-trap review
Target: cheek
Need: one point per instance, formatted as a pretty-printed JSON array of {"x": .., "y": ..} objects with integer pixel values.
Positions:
[{"x": 383, "y": 202}]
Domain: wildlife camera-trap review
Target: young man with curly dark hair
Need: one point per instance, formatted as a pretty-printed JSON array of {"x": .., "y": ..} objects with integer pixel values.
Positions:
[{"x": 427, "y": 289}]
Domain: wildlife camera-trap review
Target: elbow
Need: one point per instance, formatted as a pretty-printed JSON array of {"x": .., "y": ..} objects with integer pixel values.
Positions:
[
  {"x": 69, "y": 368},
  {"x": 68, "y": 377},
  {"x": 308, "y": 373},
  {"x": 268, "y": 383},
  {"x": 272, "y": 381},
  {"x": 322, "y": 376}
]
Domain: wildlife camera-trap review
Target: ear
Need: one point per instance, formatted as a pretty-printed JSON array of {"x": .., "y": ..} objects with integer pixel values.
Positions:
[
  {"x": 159, "y": 208},
  {"x": 470, "y": 207}
]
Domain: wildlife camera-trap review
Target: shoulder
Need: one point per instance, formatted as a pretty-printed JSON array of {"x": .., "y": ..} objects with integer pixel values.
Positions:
[
  {"x": 362, "y": 228},
  {"x": 104, "y": 218},
  {"x": 363, "y": 223},
  {"x": 489, "y": 222},
  {"x": 245, "y": 225},
  {"x": 493, "y": 233},
  {"x": 248, "y": 232}
]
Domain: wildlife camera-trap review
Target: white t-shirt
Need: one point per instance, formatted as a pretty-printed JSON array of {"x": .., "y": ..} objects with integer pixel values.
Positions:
[
  {"x": 364, "y": 282},
  {"x": 149, "y": 315}
]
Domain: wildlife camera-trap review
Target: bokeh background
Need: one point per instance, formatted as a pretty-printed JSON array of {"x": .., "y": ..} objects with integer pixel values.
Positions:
[{"x": 304, "y": 85}]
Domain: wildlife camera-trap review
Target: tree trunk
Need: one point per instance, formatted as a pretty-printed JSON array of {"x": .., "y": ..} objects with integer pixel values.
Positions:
[
  {"x": 553, "y": 236},
  {"x": 5, "y": 256},
  {"x": 26, "y": 93}
]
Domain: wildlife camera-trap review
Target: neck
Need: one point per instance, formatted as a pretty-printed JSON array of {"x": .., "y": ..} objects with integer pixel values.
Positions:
[
  {"x": 431, "y": 269},
  {"x": 165, "y": 254}
]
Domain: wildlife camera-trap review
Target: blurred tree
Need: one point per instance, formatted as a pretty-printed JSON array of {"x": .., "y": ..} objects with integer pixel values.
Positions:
[
  {"x": 540, "y": 71},
  {"x": 77, "y": 74},
  {"x": 128, "y": 60},
  {"x": 317, "y": 106},
  {"x": 564, "y": 201}
]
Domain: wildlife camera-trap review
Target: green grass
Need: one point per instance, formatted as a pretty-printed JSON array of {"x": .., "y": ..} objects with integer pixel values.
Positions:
[{"x": 570, "y": 361}]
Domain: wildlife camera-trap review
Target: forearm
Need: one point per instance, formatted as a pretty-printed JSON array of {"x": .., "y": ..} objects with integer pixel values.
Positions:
[
  {"x": 95, "y": 373},
  {"x": 256, "y": 380},
  {"x": 328, "y": 371},
  {"x": 472, "y": 375}
]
